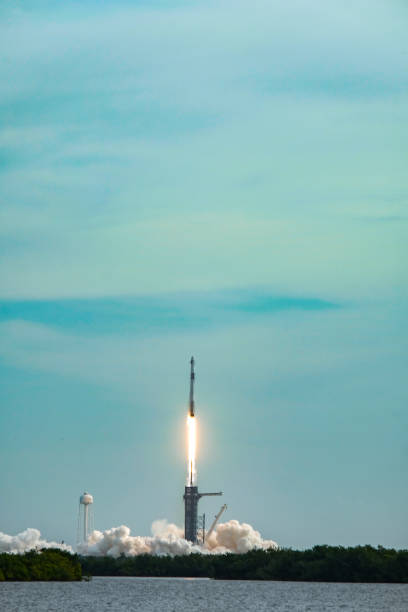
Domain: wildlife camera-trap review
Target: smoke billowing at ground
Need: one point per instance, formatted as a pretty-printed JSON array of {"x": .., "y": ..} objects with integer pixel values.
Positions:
[
  {"x": 29, "y": 539},
  {"x": 168, "y": 539}
]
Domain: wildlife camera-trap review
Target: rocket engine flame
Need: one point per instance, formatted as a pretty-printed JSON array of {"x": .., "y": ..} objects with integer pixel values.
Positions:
[{"x": 192, "y": 445}]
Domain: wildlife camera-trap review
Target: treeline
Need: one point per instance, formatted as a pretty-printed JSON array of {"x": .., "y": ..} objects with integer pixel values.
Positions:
[
  {"x": 47, "y": 564},
  {"x": 321, "y": 563}
]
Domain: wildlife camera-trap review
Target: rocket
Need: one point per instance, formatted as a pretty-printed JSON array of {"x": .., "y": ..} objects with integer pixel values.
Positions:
[{"x": 192, "y": 377}]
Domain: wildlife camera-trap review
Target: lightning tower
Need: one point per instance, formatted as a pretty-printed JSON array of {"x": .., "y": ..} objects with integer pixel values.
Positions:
[{"x": 191, "y": 493}]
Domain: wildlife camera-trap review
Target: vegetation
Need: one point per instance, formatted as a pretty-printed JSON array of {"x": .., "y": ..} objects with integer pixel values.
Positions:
[
  {"x": 321, "y": 563},
  {"x": 47, "y": 564}
]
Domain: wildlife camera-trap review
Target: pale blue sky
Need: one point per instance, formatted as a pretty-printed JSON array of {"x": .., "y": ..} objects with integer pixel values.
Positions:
[{"x": 224, "y": 179}]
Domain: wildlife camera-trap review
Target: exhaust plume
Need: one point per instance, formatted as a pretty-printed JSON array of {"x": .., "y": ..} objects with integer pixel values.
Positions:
[
  {"x": 167, "y": 539},
  {"x": 29, "y": 539},
  {"x": 192, "y": 444}
]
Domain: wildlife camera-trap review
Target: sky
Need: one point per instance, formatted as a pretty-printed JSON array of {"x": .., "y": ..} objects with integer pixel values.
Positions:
[{"x": 220, "y": 179}]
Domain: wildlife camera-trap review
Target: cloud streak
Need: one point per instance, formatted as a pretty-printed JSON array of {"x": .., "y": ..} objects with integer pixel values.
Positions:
[{"x": 153, "y": 314}]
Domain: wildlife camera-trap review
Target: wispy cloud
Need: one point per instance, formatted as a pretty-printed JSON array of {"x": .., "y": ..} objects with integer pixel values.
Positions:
[
  {"x": 151, "y": 314},
  {"x": 249, "y": 135}
]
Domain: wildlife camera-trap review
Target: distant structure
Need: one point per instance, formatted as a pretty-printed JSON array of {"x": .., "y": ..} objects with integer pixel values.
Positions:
[
  {"x": 85, "y": 517},
  {"x": 192, "y": 523}
]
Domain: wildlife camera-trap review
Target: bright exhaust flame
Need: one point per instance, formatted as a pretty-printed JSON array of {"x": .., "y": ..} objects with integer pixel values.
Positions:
[{"x": 192, "y": 441}]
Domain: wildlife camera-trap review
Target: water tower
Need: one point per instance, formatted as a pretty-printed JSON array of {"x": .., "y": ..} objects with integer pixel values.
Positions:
[{"x": 85, "y": 517}]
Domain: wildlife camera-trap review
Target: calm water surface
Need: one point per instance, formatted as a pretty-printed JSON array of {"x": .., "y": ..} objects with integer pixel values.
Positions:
[{"x": 174, "y": 595}]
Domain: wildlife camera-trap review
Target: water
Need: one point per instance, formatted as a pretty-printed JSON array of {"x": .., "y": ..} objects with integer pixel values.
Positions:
[{"x": 174, "y": 595}]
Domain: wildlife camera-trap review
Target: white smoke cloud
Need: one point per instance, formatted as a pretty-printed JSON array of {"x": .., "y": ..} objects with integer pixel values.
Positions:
[
  {"x": 28, "y": 539},
  {"x": 168, "y": 539},
  {"x": 237, "y": 537}
]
